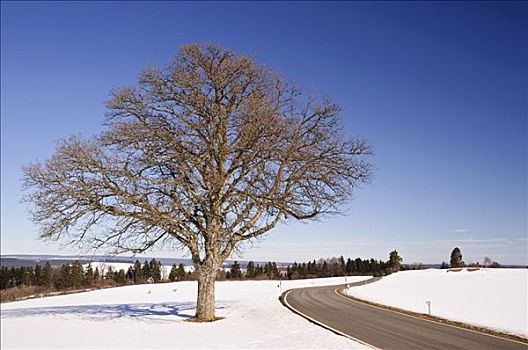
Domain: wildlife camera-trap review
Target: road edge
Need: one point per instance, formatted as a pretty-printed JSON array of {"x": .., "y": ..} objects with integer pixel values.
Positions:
[
  {"x": 284, "y": 302},
  {"x": 439, "y": 320}
]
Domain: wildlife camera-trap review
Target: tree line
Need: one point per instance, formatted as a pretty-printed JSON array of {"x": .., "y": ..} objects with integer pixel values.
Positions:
[
  {"x": 76, "y": 276},
  {"x": 330, "y": 267}
]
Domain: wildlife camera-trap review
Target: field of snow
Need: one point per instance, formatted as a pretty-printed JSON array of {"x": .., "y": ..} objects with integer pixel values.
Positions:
[
  {"x": 492, "y": 298},
  {"x": 152, "y": 316}
]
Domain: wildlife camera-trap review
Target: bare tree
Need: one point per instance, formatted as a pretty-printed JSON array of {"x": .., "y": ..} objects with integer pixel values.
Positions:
[{"x": 208, "y": 153}]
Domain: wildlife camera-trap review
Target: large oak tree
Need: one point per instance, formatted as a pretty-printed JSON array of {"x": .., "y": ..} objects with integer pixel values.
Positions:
[{"x": 212, "y": 151}]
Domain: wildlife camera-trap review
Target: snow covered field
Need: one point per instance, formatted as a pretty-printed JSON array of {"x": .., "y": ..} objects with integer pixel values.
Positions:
[
  {"x": 493, "y": 298},
  {"x": 152, "y": 316}
]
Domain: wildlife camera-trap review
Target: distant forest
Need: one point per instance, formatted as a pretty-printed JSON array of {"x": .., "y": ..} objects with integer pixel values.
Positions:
[{"x": 27, "y": 281}]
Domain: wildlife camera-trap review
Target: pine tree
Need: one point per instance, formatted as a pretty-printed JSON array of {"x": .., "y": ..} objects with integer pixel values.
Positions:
[
  {"x": 180, "y": 273},
  {"x": 138, "y": 273},
  {"x": 342, "y": 266},
  {"x": 120, "y": 277},
  {"x": 155, "y": 270},
  {"x": 456, "y": 258},
  {"x": 250, "y": 270},
  {"x": 146, "y": 272},
  {"x": 109, "y": 273},
  {"x": 4, "y": 277},
  {"x": 349, "y": 266},
  {"x": 173, "y": 275},
  {"x": 395, "y": 261},
  {"x": 37, "y": 280},
  {"x": 77, "y": 274},
  {"x": 97, "y": 275},
  {"x": 89, "y": 276},
  {"x": 47, "y": 275},
  {"x": 235, "y": 272},
  {"x": 65, "y": 279},
  {"x": 130, "y": 274},
  {"x": 324, "y": 269}
]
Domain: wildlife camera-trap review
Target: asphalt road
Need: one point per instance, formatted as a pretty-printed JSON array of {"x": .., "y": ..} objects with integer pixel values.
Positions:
[{"x": 385, "y": 329}]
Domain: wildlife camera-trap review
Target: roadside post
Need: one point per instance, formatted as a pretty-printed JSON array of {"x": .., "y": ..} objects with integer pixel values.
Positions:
[{"x": 429, "y": 307}]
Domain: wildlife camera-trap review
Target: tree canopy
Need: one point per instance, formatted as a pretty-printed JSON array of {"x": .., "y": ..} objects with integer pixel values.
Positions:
[{"x": 212, "y": 151}]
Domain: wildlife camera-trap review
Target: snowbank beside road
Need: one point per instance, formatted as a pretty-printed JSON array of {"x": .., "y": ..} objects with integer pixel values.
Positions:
[
  {"x": 151, "y": 316},
  {"x": 492, "y": 298}
]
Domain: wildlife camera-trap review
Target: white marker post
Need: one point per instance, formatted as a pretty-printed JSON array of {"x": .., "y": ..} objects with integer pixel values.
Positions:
[{"x": 429, "y": 306}]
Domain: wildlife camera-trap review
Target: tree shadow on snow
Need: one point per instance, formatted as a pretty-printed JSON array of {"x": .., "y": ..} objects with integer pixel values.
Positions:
[{"x": 147, "y": 312}]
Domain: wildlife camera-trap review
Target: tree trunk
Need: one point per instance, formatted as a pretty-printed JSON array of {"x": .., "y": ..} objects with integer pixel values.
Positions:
[{"x": 205, "y": 310}]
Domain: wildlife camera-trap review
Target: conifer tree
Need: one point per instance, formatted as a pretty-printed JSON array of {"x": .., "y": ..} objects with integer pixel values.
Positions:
[
  {"x": 456, "y": 258},
  {"x": 180, "y": 273},
  {"x": 395, "y": 261},
  {"x": 138, "y": 273},
  {"x": 64, "y": 281},
  {"x": 324, "y": 269},
  {"x": 89, "y": 275},
  {"x": 250, "y": 270},
  {"x": 130, "y": 274},
  {"x": 155, "y": 270},
  {"x": 109, "y": 273},
  {"x": 77, "y": 274},
  {"x": 120, "y": 277},
  {"x": 147, "y": 275},
  {"x": 173, "y": 275},
  {"x": 47, "y": 275},
  {"x": 37, "y": 280},
  {"x": 235, "y": 271}
]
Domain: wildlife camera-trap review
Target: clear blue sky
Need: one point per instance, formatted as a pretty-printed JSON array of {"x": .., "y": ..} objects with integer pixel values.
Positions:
[{"x": 439, "y": 89}]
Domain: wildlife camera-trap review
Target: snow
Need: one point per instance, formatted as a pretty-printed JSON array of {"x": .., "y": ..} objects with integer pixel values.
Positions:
[
  {"x": 152, "y": 316},
  {"x": 492, "y": 298}
]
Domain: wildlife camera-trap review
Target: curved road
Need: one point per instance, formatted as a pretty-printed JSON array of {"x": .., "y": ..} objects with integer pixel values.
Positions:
[{"x": 382, "y": 328}]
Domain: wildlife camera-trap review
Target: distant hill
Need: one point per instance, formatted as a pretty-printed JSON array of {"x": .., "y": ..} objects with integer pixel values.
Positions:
[{"x": 17, "y": 260}]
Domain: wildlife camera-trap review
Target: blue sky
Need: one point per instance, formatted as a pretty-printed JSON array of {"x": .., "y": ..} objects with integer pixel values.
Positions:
[{"x": 439, "y": 89}]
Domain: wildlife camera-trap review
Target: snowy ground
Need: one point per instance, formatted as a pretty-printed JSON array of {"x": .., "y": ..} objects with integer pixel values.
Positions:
[
  {"x": 151, "y": 316},
  {"x": 493, "y": 298}
]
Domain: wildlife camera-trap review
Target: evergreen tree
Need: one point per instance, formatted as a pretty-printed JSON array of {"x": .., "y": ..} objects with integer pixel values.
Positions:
[
  {"x": 64, "y": 281},
  {"x": 456, "y": 258},
  {"x": 250, "y": 270},
  {"x": 37, "y": 280},
  {"x": 395, "y": 261},
  {"x": 180, "y": 273},
  {"x": 130, "y": 274},
  {"x": 77, "y": 274},
  {"x": 89, "y": 275},
  {"x": 4, "y": 277},
  {"x": 97, "y": 276},
  {"x": 110, "y": 273},
  {"x": 147, "y": 275},
  {"x": 235, "y": 271},
  {"x": 324, "y": 270},
  {"x": 274, "y": 271},
  {"x": 350, "y": 266},
  {"x": 47, "y": 275},
  {"x": 138, "y": 273},
  {"x": 173, "y": 275},
  {"x": 120, "y": 277},
  {"x": 155, "y": 270},
  {"x": 342, "y": 266}
]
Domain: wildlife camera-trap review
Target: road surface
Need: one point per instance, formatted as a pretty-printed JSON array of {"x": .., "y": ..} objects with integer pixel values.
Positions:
[{"x": 385, "y": 329}]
